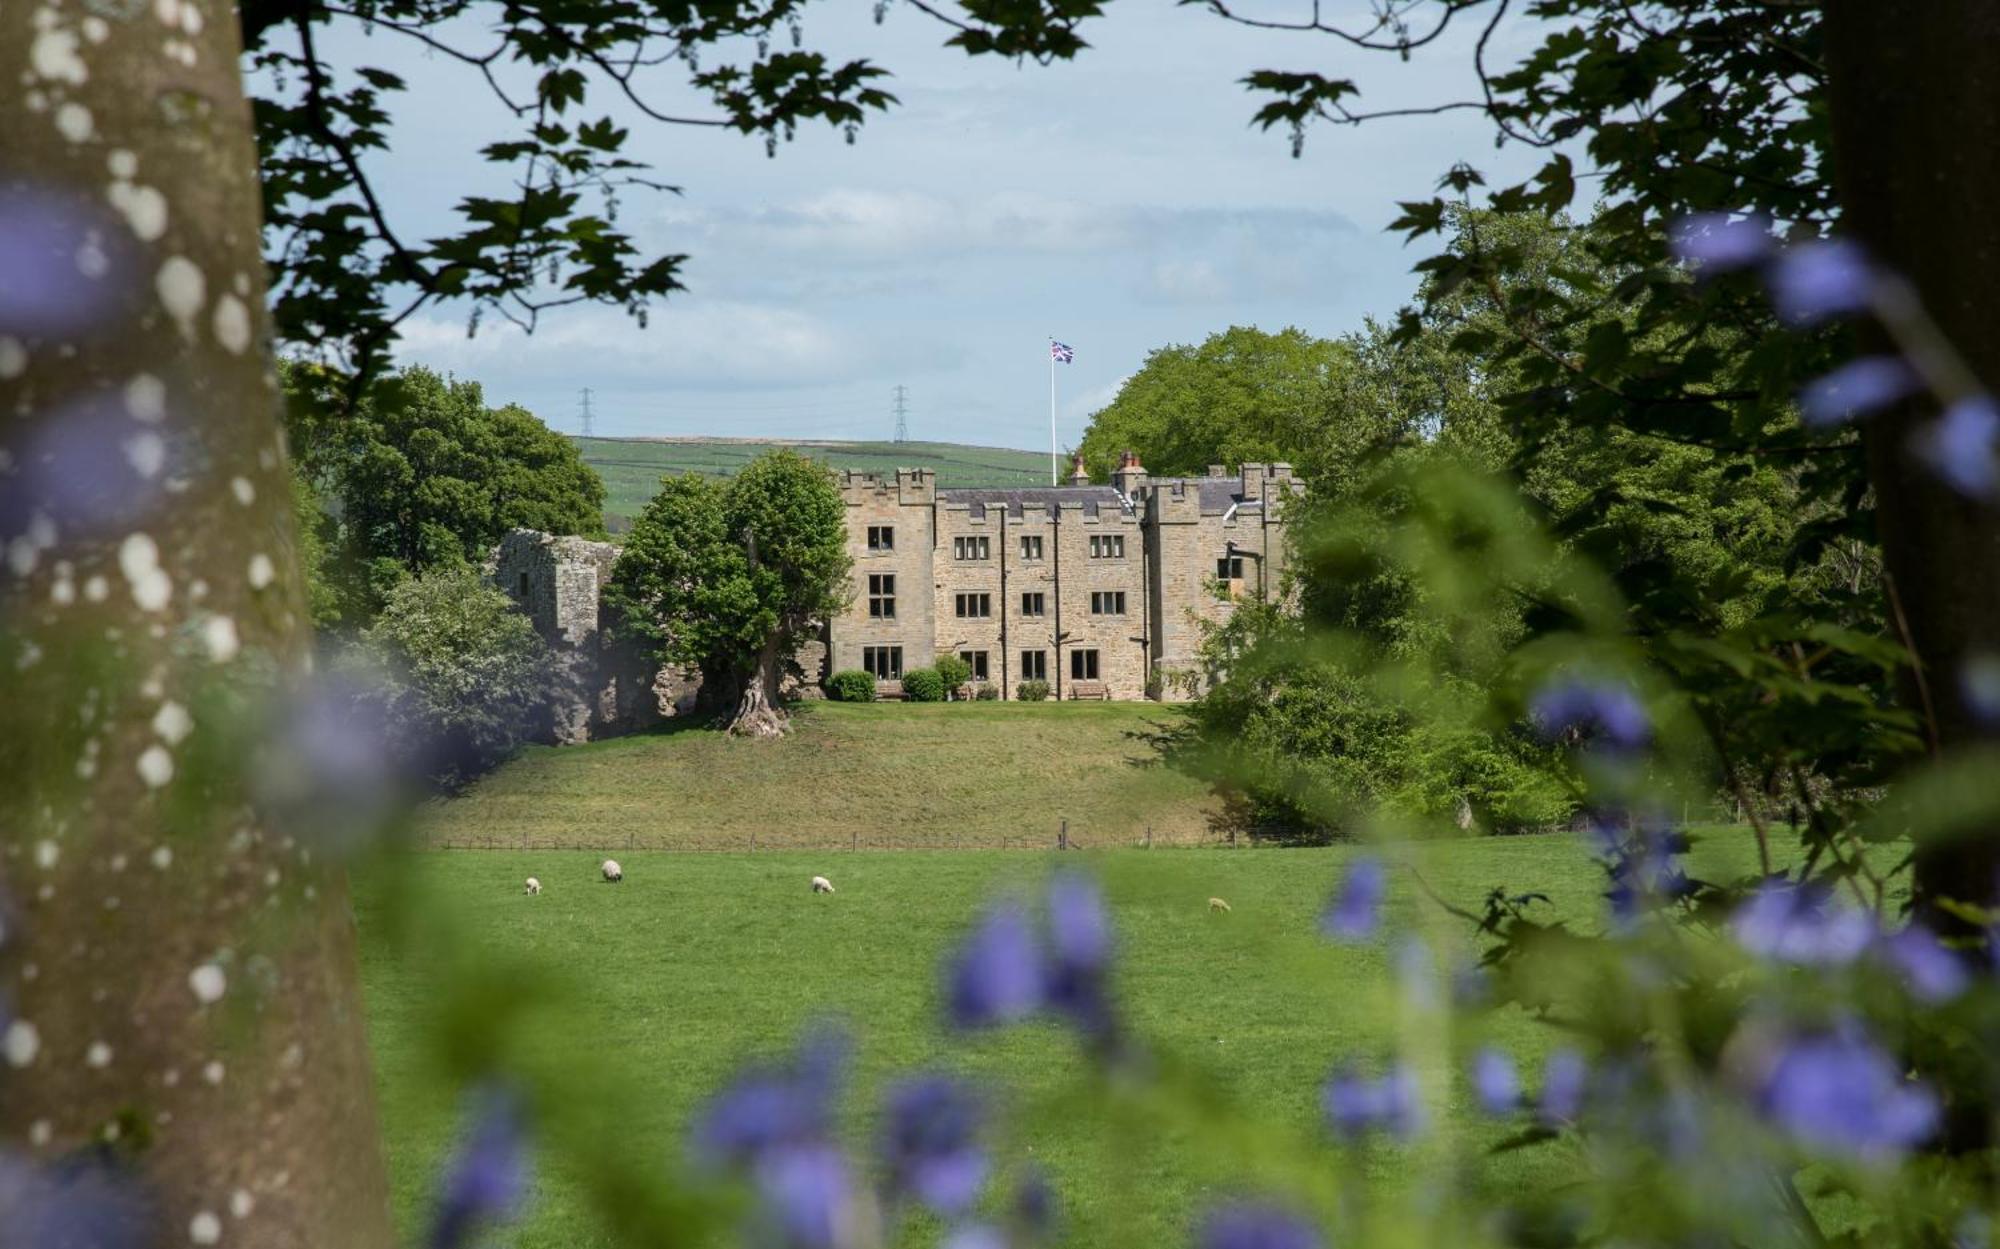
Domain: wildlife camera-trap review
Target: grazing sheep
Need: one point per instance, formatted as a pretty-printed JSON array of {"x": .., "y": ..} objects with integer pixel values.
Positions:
[
  {"x": 1217, "y": 904},
  {"x": 822, "y": 885},
  {"x": 534, "y": 886},
  {"x": 612, "y": 872}
]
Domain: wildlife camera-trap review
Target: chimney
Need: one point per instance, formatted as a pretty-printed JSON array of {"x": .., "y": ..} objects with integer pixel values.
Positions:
[
  {"x": 1130, "y": 477},
  {"x": 1078, "y": 474}
]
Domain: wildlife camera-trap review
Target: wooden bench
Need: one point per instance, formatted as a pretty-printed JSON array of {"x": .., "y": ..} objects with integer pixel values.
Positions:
[
  {"x": 1090, "y": 689},
  {"x": 888, "y": 691}
]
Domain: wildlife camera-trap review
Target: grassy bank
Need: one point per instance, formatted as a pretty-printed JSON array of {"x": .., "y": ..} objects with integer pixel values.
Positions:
[{"x": 877, "y": 775}]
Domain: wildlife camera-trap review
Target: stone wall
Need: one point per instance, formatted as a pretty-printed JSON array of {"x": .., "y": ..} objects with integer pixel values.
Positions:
[{"x": 905, "y": 506}]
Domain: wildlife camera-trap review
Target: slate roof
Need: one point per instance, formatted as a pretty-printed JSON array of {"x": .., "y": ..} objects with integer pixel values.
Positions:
[{"x": 1216, "y": 494}]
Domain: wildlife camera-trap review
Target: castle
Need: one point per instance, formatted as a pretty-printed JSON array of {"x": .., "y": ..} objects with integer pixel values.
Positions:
[{"x": 1099, "y": 590}]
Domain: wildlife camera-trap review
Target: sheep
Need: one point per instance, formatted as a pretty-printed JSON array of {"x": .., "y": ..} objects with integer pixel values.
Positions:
[
  {"x": 1217, "y": 904},
  {"x": 534, "y": 886},
  {"x": 822, "y": 885},
  {"x": 612, "y": 872}
]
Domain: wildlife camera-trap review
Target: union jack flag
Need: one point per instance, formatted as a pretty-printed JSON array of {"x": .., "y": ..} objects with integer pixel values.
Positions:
[{"x": 1061, "y": 352}]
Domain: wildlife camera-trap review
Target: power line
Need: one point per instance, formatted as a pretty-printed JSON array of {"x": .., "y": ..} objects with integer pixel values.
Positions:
[
  {"x": 902, "y": 414},
  {"x": 586, "y": 412}
]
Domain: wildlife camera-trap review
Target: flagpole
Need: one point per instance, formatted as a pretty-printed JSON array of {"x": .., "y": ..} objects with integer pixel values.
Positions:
[{"x": 1052, "y": 412}]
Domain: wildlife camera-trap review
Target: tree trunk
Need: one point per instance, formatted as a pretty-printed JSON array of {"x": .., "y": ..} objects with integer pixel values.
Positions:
[
  {"x": 1915, "y": 103},
  {"x": 759, "y": 713},
  {"x": 178, "y": 979}
]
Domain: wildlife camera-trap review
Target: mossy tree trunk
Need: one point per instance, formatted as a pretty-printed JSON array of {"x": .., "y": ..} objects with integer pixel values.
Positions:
[{"x": 179, "y": 974}]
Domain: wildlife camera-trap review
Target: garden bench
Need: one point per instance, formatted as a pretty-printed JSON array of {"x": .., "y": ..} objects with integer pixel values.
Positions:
[
  {"x": 1090, "y": 689},
  {"x": 888, "y": 691}
]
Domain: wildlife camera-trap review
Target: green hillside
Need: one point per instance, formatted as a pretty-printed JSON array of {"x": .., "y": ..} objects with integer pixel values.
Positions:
[{"x": 632, "y": 467}]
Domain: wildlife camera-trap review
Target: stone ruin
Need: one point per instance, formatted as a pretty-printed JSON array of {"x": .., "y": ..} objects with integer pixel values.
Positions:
[{"x": 611, "y": 687}]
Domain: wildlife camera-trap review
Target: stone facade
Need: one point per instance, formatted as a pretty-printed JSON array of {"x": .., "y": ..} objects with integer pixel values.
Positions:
[
  {"x": 1092, "y": 588},
  {"x": 1090, "y": 585}
]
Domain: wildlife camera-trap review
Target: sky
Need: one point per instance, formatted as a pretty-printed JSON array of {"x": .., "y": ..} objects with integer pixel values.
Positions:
[{"x": 1120, "y": 203}]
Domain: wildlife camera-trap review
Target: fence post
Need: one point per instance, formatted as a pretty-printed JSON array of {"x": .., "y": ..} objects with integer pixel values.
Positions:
[
  {"x": 1062, "y": 838},
  {"x": 854, "y": 839},
  {"x": 1149, "y": 836},
  {"x": 753, "y": 841}
]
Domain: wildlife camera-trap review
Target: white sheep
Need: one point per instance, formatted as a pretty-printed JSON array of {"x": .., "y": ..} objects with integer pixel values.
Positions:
[
  {"x": 822, "y": 885},
  {"x": 1217, "y": 904},
  {"x": 534, "y": 886},
  {"x": 612, "y": 872}
]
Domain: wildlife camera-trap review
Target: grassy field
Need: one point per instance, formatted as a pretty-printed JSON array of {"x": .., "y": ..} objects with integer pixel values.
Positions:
[
  {"x": 652, "y": 992},
  {"x": 632, "y": 467},
  {"x": 850, "y": 775}
]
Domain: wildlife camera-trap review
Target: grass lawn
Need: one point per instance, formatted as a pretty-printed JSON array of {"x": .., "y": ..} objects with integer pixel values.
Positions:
[
  {"x": 658, "y": 988},
  {"x": 869, "y": 775},
  {"x": 632, "y": 467}
]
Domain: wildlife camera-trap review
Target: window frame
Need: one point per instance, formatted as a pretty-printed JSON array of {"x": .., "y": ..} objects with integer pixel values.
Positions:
[
  {"x": 1107, "y": 546},
  {"x": 1107, "y": 602},
  {"x": 1081, "y": 657},
  {"x": 1031, "y": 547},
  {"x": 972, "y": 548},
  {"x": 881, "y": 537},
  {"x": 881, "y": 596},
  {"x": 1038, "y": 669},
  {"x": 884, "y": 663},
  {"x": 1229, "y": 568},
  {"x": 1041, "y": 607},
  {"x": 979, "y": 661},
  {"x": 963, "y": 599}
]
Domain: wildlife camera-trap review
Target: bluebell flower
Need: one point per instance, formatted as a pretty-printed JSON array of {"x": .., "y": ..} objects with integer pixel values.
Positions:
[
  {"x": 1355, "y": 1105},
  {"x": 996, "y": 976},
  {"x": 1719, "y": 243},
  {"x": 1802, "y": 925},
  {"x": 1564, "y": 1079},
  {"x": 1839, "y": 1094},
  {"x": 774, "y": 1105},
  {"x": 808, "y": 1197},
  {"x": 1960, "y": 446},
  {"x": 1035, "y": 1203},
  {"x": 488, "y": 1173},
  {"x": 1355, "y": 909},
  {"x": 931, "y": 1145},
  {"x": 1608, "y": 710},
  {"x": 1257, "y": 1225},
  {"x": 1979, "y": 685},
  {"x": 1856, "y": 389},
  {"x": 1816, "y": 281},
  {"x": 1932, "y": 972},
  {"x": 1495, "y": 1083},
  {"x": 1079, "y": 952},
  {"x": 88, "y": 1201}
]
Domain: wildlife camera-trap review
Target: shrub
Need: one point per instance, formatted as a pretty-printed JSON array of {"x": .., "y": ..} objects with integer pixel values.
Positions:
[
  {"x": 954, "y": 672},
  {"x": 988, "y": 692},
  {"x": 852, "y": 686},
  {"x": 923, "y": 685},
  {"x": 464, "y": 677},
  {"x": 1032, "y": 691}
]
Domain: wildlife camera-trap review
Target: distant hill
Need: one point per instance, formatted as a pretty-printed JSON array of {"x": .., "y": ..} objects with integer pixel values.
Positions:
[{"x": 632, "y": 467}]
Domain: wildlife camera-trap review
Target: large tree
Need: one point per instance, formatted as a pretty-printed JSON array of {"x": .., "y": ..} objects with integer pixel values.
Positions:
[
  {"x": 734, "y": 577},
  {"x": 182, "y": 1027}
]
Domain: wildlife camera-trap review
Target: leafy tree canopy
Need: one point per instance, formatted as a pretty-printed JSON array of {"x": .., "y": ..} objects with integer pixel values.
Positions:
[
  {"x": 733, "y": 577},
  {"x": 422, "y": 474}
]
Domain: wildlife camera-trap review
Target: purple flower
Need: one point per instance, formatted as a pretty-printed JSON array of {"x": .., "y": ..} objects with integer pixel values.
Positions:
[
  {"x": 1355, "y": 909},
  {"x": 1933, "y": 973},
  {"x": 1858, "y": 388},
  {"x": 1979, "y": 684},
  {"x": 67, "y": 262},
  {"x": 1035, "y": 1203},
  {"x": 1815, "y": 281},
  {"x": 488, "y": 1173},
  {"x": 1608, "y": 709},
  {"x": 1495, "y": 1083},
  {"x": 1256, "y": 1225},
  {"x": 88, "y": 1200},
  {"x": 1840, "y": 1094},
  {"x": 1802, "y": 925},
  {"x": 1564, "y": 1078},
  {"x": 1959, "y": 446},
  {"x": 771, "y": 1106},
  {"x": 1719, "y": 243},
  {"x": 996, "y": 975},
  {"x": 931, "y": 1143},
  {"x": 808, "y": 1198},
  {"x": 1355, "y": 1105},
  {"x": 975, "y": 1236},
  {"x": 1080, "y": 952}
]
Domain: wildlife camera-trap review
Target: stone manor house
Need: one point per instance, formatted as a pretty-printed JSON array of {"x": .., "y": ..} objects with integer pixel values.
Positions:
[{"x": 1099, "y": 590}]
